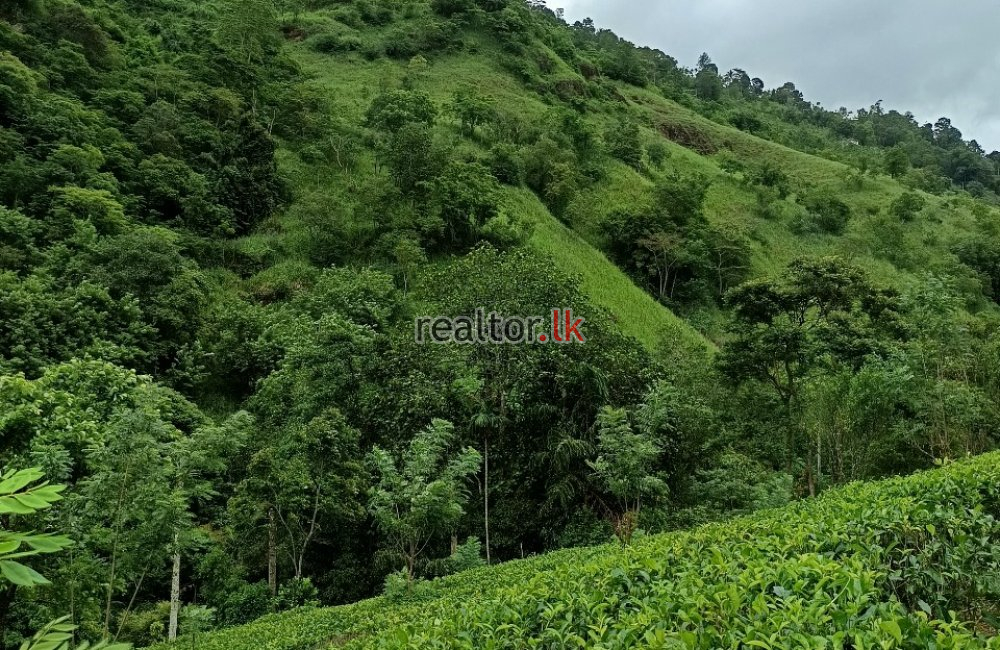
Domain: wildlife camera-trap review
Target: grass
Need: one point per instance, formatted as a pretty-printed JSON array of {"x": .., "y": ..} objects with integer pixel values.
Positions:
[
  {"x": 351, "y": 81},
  {"x": 636, "y": 313}
]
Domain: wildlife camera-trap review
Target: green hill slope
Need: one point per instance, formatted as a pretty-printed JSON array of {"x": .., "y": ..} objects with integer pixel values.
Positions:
[
  {"x": 348, "y": 82},
  {"x": 894, "y": 564},
  {"x": 776, "y": 229}
]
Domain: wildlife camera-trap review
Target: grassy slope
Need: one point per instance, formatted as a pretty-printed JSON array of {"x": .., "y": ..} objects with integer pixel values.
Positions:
[
  {"x": 351, "y": 82},
  {"x": 820, "y": 549},
  {"x": 635, "y": 311}
]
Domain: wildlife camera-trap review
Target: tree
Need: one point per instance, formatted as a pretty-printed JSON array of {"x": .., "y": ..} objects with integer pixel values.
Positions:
[
  {"x": 472, "y": 110},
  {"x": 664, "y": 245},
  {"x": 393, "y": 110},
  {"x": 821, "y": 314},
  {"x": 624, "y": 143},
  {"x": 897, "y": 162},
  {"x": 906, "y": 206},
  {"x": 738, "y": 82},
  {"x": 465, "y": 197},
  {"x": 705, "y": 63},
  {"x": 421, "y": 494},
  {"x": 413, "y": 158},
  {"x": 306, "y": 477},
  {"x": 708, "y": 84},
  {"x": 624, "y": 470},
  {"x": 197, "y": 462},
  {"x": 246, "y": 27}
]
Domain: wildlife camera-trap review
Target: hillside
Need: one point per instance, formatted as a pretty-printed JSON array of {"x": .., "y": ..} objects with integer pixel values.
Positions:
[
  {"x": 863, "y": 566},
  {"x": 229, "y": 229}
]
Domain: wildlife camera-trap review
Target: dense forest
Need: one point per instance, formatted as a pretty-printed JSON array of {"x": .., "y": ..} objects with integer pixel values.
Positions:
[{"x": 219, "y": 220}]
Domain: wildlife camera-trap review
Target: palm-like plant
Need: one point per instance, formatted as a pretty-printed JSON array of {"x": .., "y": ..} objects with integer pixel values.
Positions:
[{"x": 22, "y": 493}]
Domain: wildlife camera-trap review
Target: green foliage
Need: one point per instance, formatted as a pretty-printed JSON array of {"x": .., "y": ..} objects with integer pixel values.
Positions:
[
  {"x": 19, "y": 497},
  {"x": 472, "y": 110},
  {"x": 392, "y": 111},
  {"x": 906, "y": 206},
  {"x": 466, "y": 197},
  {"x": 624, "y": 143},
  {"x": 247, "y": 27},
  {"x": 767, "y": 175},
  {"x": 897, "y": 162},
  {"x": 505, "y": 164},
  {"x": 825, "y": 214},
  {"x": 154, "y": 234},
  {"x": 423, "y": 493},
  {"x": 624, "y": 470},
  {"x": 58, "y": 635},
  {"x": 297, "y": 592},
  {"x": 874, "y": 564}
]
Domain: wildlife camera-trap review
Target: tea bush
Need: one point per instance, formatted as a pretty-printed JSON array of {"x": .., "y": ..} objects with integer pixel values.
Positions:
[{"x": 906, "y": 563}]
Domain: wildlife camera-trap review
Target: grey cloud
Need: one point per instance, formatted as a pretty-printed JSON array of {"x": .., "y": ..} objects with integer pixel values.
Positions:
[{"x": 930, "y": 58}]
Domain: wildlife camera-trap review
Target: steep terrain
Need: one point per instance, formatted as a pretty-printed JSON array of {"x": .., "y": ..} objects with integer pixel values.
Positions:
[{"x": 220, "y": 221}]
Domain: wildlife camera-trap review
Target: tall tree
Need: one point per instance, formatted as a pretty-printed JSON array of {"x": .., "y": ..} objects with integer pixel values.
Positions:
[
  {"x": 624, "y": 470},
  {"x": 422, "y": 493}
]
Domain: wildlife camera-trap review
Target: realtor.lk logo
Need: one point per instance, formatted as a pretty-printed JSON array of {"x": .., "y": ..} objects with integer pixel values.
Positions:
[{"x": 482, "y": 328}]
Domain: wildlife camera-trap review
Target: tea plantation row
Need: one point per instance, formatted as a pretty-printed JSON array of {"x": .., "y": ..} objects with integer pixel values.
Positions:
[{"x": 907, "y": 563}]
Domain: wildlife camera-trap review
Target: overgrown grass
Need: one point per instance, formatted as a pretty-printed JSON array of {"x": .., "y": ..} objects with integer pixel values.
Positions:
[{"x": 635, "y": 311}]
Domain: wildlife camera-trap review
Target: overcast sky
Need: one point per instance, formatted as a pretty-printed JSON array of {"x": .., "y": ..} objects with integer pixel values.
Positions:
[{"x": 932, "y": 58}]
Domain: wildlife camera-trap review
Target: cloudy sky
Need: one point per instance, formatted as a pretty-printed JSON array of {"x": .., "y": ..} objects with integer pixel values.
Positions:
[{"x": 934, "y": 59}]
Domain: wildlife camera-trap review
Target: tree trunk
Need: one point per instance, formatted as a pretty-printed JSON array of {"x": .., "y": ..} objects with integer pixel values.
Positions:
[
  {"x": 175, "y": 591},
  {"x": 454, "y": 543},
  {"x": 486, "y": 493},
  {"x": 272, "y": 553}
]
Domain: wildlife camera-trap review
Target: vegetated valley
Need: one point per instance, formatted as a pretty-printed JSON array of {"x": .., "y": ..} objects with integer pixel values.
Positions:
[{"x": 219, "y": 220}]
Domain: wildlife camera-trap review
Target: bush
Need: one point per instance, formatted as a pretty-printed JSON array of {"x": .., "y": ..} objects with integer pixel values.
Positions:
[
  {"x": 825, "y": 213},
  {"x": 297, "y": 592},
  {"x": 244, "y": 603},
  {"x": 624, "y": 143},
  {"x": 906, "y": 206},
  {"x": 658, "y": 153},
  {"x": 768, "y": 175},
  {"x": 505, "y": 164},
  {"x": 746, "y": 121},
  {"x": 375, "y": 12},
  {"x": 400, "y": 589},
  {"x": 334, "y": 43}
]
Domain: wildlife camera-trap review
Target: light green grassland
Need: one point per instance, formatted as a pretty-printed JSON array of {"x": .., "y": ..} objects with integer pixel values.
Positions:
[{"x": 351, "y": 82}]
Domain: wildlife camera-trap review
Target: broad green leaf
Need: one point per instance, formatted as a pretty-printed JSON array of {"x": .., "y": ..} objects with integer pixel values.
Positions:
[{"x": 21, "y": 575}]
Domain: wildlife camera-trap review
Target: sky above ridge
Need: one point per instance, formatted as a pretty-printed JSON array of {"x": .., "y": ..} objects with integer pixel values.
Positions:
[{"x": 929, "y": 58}]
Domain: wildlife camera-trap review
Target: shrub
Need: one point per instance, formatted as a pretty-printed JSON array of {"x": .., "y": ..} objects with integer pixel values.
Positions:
[
  {"x": 825, "y": 213},
  {"x": 658, "y": 153},
  {"x": 297, "y": 592},
  {"x": 768, "y": 175},
  {"x": 505, "y": 164},
  {"x": 333, "y": 43},
  {"x": 906, "y": 206},
  {"x": 624, "y": 143}
]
